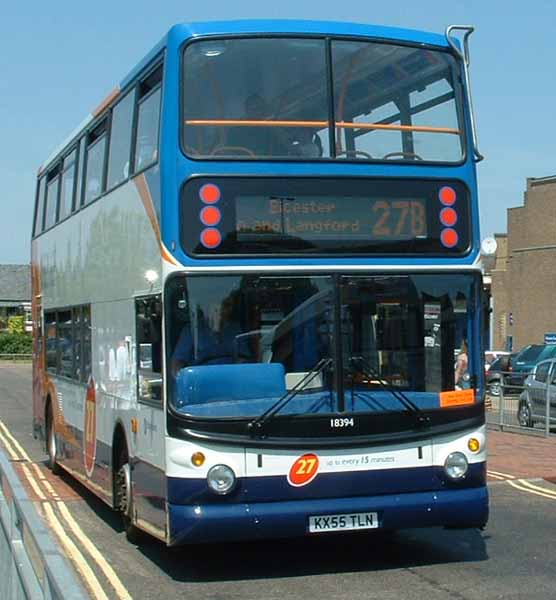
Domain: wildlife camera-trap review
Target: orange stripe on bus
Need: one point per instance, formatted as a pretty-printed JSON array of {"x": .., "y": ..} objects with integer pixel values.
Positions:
[
  {"x": 145, "y": 195},
  {"x": 111, "y": 96},
  {"x": 457, "y": 398},
  {"x": 167, "y": 256},
  {"x": 340, "y": 124}
]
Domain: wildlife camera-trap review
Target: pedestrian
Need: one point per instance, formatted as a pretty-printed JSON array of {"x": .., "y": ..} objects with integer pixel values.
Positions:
[{"x": 462, "y": 379}]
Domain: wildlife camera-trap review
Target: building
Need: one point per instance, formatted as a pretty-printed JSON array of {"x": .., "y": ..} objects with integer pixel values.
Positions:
[
  {"x": 15, "y": 293},
  {"x": 523, "y": 280}
]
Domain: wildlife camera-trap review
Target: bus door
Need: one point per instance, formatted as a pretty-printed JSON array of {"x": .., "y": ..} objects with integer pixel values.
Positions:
[{"x": 148, "y": 472}]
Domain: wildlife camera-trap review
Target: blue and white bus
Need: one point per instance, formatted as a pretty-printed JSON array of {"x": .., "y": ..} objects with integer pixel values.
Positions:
[{"x": 252, "y": 265}]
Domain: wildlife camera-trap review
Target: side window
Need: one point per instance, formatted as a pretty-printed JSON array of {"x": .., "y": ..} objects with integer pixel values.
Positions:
[
  {"x": 68, "y": 342},
  {"x": 85, "y": 343},
  {"x": 94, "y": 174},
  {"x": 39, "y": 214},
  {"x": 148, "y": 315},
  {"x": 542, "y": 372},
  {"x": 553, "y": 380},
  {"x": 120, "y": 141},
  {"x": 80, "y": 170},
  {"x": 148, "y": 117},
  {"x": 65, "y": 343},
  {"x": 51, "y": 343},
  {"x": 52, "y": 188},
  {"x": 77, "y": 343},
  {"x": 68, "y": 184}
]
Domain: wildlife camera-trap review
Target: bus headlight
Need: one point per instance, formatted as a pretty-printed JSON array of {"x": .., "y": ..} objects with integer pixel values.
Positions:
[
  {"x": 456, "y": 465},
  {"x": 221, "y": 479}
]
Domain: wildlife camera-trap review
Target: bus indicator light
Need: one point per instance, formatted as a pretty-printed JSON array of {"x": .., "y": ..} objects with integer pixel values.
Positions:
[
  {"x": 209, "y": 193},
  {"x": 448, "y": 217},
  {"x": 449, "y": 238},
  {"x": 303, "y": 470},
  {"x": 210, "y": 216},
  {"x": 447, "y": 195},
  {"x": 210, "y": 237},
  {"x": 198, "y": 459},
  {"x": 473, "y": 444}
]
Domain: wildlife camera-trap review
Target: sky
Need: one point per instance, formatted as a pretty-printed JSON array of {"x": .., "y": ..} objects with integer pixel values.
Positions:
[{"x": 61, "y": 58}]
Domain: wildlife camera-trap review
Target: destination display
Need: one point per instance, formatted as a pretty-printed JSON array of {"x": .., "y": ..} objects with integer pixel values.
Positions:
[
  {"x": 322, "y": 216},
  {"x": 356, "y": 218}
]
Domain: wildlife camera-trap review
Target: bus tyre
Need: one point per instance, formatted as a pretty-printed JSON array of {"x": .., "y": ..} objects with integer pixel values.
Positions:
[
  {"x": 124, "y": 500},
  {"x": 51, "y": 444}
]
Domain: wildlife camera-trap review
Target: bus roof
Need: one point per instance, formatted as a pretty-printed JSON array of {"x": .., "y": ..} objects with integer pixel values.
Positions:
[
  {"x": 255, "y": 26},
  {"x": 287, "y": 26}
]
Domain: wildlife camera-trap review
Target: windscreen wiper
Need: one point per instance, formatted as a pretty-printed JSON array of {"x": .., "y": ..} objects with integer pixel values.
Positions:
[
  {"x": 256, "y": 426},
  {"x": 368, "y": 371}
]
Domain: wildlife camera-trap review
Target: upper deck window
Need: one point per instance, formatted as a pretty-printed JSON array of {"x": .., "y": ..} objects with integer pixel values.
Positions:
[
  {"x": 272, "y": 98},
  {"x": 256, "y": 98},
  {"x": 52, "y": 188},
  {"x": 39, "y": 214},
  {"x": 96, "y": 150},
  {"x": 148, "y": 120},
  {"x": 120, "y": 141},
  {"x": 68, "y": 184},
  {"x": 394, "y": 103}
]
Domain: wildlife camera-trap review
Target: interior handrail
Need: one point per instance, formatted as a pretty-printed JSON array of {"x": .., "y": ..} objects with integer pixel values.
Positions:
[{"x": 312, "y": 124}]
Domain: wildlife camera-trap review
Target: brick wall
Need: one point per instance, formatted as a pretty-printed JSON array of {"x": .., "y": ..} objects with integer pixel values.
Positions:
[
  {"x": 524, "y": 278},
  {"x": 499, "y": 293}
]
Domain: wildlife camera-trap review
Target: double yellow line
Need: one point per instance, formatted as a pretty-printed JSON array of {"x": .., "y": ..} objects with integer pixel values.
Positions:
[
  {"x": 526, "y": 486},
  {"x": 523, "y": 485},
  {"x": 500, "y": 476},
  {"x": 53, "y": 508}
]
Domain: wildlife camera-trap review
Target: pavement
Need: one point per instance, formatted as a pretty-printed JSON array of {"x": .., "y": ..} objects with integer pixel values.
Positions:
[{"x": 521, "y": 455}]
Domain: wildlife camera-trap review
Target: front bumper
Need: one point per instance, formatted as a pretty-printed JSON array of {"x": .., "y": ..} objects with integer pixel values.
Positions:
[{"x": 462, "y": 508}]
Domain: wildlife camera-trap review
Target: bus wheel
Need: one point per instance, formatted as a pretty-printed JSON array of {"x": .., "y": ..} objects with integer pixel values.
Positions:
[
  {"x": 124, "y": 499},
  {"x": 51, "y": 444}
]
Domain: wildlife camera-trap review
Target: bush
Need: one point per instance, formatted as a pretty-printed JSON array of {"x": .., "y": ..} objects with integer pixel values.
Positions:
[
  {"x": 16, "y": 324},
  {"x": 16, "y": 343}
]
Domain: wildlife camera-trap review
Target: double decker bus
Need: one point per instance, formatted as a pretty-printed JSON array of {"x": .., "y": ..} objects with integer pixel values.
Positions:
[{"x": 252, "y": 266}]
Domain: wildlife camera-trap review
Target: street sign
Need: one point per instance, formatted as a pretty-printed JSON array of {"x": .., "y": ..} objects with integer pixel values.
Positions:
[{"x": 550, "y": 338}]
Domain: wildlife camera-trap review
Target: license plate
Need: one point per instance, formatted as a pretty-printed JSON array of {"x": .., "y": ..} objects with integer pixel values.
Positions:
[{"x": 343, "y": 522}]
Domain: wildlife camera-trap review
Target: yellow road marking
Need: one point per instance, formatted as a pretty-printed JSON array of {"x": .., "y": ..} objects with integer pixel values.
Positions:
[
  {"x": 13, "y": 454},
  {"x": 501, "y": 474},
  {"x": 496, "y": 476},
  {"x": 45, "y": 482},
  {"x": 33, "y": 483},
  {"x": 94, "y": 552},
  {"x": 530, "y": 491},
  {"x": 14, "y": 442},
  {"x": 536, "y": 487},
  {"x": 73, "y": 552},
  {"x": 75, "y": 555}
]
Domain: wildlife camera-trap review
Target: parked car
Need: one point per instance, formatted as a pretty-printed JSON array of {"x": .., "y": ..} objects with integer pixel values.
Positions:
[
  {"x": 532, "y": 401},
  {"x": 491, "y": 356},
  {"x": 524, "y": 362},
  {"x": 497, "y": 373}
]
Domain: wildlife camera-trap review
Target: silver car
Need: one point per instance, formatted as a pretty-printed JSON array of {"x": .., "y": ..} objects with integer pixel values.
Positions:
[{"x": 540, "y": 385}]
